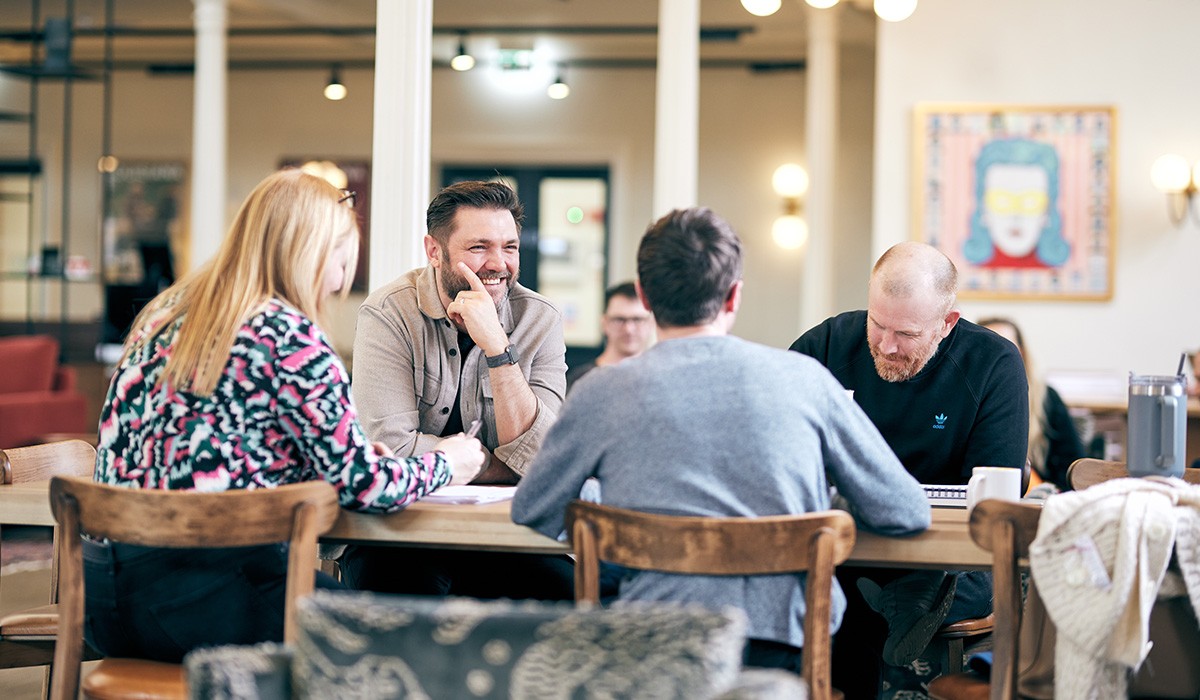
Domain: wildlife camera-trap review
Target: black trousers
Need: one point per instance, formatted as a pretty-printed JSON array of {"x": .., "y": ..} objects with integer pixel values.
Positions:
[
  {"x": 159, "y": 604},
  {"x": 446, "y": 572},
  {"x": 767, "y": 653},
  {"x": 857, "y": 656}
]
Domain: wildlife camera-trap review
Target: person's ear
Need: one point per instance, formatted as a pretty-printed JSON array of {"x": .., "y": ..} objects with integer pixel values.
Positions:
[
  {"x": 952, "y": 317},
  {"x": 433, "y": 251},
  {"x": 734, "y": 299},
  {"x": 642, "y": 296}
]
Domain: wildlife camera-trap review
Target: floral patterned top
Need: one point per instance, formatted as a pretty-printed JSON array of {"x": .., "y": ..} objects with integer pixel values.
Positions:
[{"x": 280, "y": 413}]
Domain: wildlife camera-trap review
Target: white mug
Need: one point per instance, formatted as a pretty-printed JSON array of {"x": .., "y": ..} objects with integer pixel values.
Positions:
[{"x": 1003, "y": 483}]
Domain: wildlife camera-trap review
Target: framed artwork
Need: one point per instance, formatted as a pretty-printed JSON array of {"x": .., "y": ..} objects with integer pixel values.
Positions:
[
  {"x": 1020, "y": 198},
  {"x": 352, "y": 175},
  {"x": 143, "y": 224}
]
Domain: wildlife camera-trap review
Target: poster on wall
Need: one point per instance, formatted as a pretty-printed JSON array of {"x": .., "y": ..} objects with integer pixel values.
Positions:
[
  {"x": 1020, "y": 198},
  {"x": 143, "y": 224}
]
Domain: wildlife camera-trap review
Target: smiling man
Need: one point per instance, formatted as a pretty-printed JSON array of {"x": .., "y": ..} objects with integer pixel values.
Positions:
[
  {"x": 458, "y": 340},
  {"x": 947, "y": 396},
  {"x": 461, "y": 339}
]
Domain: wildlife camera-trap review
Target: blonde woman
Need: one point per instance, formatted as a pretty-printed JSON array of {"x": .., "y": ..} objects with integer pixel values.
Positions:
[
  {"x": 1053, "y": 441},
  {"x": 228, "y": 382}
]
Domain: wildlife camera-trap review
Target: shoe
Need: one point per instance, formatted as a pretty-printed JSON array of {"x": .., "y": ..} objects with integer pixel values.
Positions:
[{"x": 914, "y": 606}]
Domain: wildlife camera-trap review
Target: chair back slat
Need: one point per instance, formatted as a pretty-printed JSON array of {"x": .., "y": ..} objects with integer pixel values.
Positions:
[
  {"x": 41, "y": 462},
  {"x": 703, "y": 545},
  {"x": 1089, "y": 472},
  {"x": 296, "y": 514},
  {"x": 811, "y": 542},
  {"x": 192, "y": 519}
]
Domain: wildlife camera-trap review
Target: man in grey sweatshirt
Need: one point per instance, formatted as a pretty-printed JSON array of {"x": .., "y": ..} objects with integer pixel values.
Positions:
[{"x": 704, "y": 423}]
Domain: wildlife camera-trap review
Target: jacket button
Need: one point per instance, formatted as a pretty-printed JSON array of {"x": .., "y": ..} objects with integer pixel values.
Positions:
[
  {"x": 453, "y": 352},
  {"x": 445, "y": 411}
]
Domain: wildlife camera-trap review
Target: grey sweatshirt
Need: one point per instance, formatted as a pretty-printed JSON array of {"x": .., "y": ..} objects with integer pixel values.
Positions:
[{"x": 718, "y": 426}]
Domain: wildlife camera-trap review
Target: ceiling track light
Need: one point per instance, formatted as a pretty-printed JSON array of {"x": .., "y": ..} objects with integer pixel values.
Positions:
[
  {"x": 559, "y": 89},
  {"x": 335, "y": 90},
  {"x": 462, "y": 60}
]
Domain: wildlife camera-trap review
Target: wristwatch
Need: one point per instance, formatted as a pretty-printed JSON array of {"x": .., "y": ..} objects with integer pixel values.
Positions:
[{"x": 508, "y": 357}]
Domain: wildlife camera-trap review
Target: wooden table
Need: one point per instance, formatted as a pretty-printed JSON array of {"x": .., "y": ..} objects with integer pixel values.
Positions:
[{"x": 946, "y": 545}]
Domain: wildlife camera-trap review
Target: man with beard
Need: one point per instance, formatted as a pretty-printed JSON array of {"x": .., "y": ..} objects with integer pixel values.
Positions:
[
  {"x": 947, "y": 396},
  {"x": 447, "y": 344}
]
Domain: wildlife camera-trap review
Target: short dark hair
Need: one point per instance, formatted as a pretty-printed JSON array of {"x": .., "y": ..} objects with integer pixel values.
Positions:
[
  {"x": 624, "y": 289},
  {"x": 474, "y": 194},
  {"x": 687, "y": 263}
]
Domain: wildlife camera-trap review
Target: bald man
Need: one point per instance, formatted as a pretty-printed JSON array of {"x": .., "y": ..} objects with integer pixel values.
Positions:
[{"x": 947, "y": 396}]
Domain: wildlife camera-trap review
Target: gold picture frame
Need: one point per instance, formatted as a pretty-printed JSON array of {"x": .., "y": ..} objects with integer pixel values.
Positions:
[{"x": 1020, "y": 197}]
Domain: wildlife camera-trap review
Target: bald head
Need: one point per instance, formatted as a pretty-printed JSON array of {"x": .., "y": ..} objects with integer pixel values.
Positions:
[
  {"x": 917, "y": 272},
  {"x": 909, "y": 308}
]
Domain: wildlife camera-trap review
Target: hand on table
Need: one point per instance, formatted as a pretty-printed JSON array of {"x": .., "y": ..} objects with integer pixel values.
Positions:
[{"x": 465, "y": 455}]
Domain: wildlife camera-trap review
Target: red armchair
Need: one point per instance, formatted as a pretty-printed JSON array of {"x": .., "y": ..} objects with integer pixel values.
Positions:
[{"x": 37, "y": 395}]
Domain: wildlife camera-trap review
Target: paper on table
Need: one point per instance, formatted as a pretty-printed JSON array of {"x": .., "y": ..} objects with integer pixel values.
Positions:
[{"x": 466, "y": 494}]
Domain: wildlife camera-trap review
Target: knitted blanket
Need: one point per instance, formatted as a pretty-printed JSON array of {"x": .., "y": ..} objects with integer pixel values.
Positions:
[{"x": 1099, "y": 560}]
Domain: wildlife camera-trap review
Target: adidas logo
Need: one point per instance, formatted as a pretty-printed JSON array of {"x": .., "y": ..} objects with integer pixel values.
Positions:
[{"x": 941, "y": 422}]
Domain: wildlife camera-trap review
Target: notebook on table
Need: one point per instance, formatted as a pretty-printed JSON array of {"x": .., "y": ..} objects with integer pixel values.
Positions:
[{"x": 946, "y": 495}]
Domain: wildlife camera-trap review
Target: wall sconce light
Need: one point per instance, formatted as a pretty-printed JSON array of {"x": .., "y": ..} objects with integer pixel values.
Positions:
[
  {"x": 334, "y": 89},
  {"x": 790, "y": 231},
  {"x": 887, "y": 10},
  {"x": 462, "y": 60},
  {"x": 559, "y": 89},
  {"x": 1172, "y": 174},
  {"x": 762, "y": 8},
  {"x": 895, "y": 10}
]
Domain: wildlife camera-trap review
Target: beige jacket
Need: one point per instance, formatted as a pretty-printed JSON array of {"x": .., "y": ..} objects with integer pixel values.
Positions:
[
  {"x": 1099, "y": 560},
  {"x": 407, "y": 368}
]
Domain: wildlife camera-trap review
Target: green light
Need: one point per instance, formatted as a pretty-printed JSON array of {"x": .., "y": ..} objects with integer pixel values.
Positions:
[{"x": 574, "y": 215}]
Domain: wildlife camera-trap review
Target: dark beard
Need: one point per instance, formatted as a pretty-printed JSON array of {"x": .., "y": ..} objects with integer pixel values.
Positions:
[{"x": 453, "y": 283}]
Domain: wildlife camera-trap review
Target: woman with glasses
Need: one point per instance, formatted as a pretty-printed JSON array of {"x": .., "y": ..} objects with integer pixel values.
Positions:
[{"x": 229, "y": 382}]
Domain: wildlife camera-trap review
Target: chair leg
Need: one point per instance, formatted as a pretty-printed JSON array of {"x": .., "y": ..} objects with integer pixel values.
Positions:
[{"x": 954, "y": 655}]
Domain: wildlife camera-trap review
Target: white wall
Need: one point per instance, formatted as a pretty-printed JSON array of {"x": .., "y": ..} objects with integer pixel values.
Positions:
[{"x": 1136, "y": 56}]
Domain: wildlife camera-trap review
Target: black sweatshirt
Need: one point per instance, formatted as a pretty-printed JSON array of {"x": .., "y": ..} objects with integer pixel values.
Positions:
[{"x": 968, "y": 407}]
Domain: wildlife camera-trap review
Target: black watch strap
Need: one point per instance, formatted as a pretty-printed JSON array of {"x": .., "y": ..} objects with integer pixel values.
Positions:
[{"x": 508, "y": 357}]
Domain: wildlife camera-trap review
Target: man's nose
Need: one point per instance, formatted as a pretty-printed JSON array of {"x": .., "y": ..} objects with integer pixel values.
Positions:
[
  {"x": 494, "y": 261},
  {"x": 888, "y": 344}
]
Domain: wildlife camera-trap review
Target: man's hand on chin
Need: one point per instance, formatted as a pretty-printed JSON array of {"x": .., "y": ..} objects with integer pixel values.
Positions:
[{"x": 475, "y": 310}]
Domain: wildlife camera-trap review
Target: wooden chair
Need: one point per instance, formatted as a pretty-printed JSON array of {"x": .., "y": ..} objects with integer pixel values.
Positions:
[
  {"x": 953, "y": 637},
  {"x": 1006, "y": 530},
  {"x": 27, "y": 636},
  {"x": 297, "y": 514},
  {"x": 812, "y": 542},
  {"x": 1089, "y": 472}
]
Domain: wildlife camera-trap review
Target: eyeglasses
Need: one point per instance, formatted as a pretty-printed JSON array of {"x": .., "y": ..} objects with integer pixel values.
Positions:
[
  {"x": 349, "y": 195},
  {"x": 627, "y": 320}
]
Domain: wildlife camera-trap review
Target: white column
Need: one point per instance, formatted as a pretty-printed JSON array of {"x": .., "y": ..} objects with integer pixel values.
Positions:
[
  {"x": 816, "y": 287},
  {"x": 400, "y": 157},
  {"x": 677, "y": 110},
  {"x": 208, "y": 133}
]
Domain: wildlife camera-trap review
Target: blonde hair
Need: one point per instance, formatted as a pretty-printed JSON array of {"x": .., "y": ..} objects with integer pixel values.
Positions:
[
  {"x": 1039, "y": 441},
  {"x": 276, "y": 249}
]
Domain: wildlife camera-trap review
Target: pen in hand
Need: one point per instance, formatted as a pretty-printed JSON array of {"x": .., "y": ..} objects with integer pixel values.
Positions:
[{"x": 474, "y": 427}]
